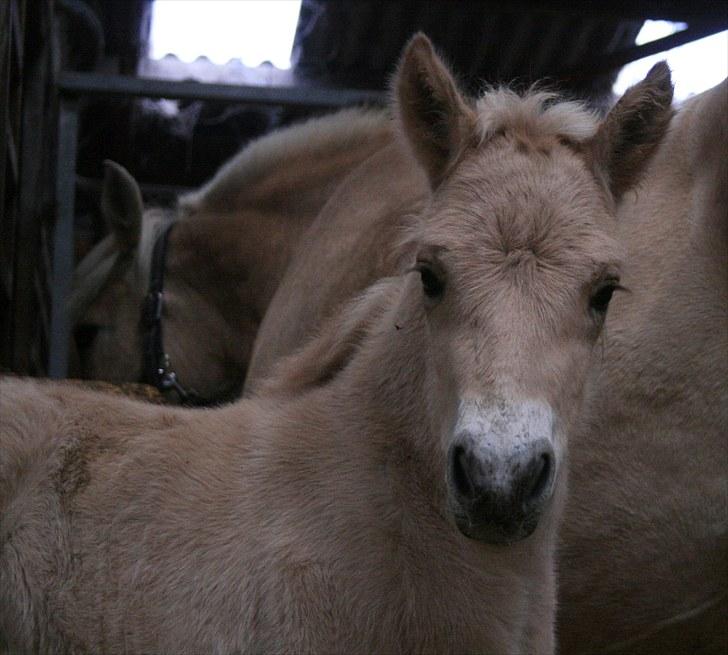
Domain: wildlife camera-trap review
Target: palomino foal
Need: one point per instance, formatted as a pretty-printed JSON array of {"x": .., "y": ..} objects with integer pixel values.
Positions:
[
  {"x": 396, "y": 486},
  {"x": 643, "y": 557}
]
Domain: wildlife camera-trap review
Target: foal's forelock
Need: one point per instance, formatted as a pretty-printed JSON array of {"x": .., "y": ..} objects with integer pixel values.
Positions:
[
  {"x": 535, "y": 113},
  {"x": 155, "y": 220},
  {"x": 104, "y": 260},
  {"x": 91, "y": 275}
]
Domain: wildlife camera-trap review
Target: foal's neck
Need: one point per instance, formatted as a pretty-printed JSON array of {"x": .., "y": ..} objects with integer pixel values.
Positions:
[{"x": 385, "y": 390}]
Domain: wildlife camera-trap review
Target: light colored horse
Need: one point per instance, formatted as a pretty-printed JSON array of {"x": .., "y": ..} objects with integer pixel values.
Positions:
[
  {"x": 643, "y": 561},
  {"x": 231, "y": 243},
  {"x": 644, "y": 565},
  {"x": 397, "y": 485}
]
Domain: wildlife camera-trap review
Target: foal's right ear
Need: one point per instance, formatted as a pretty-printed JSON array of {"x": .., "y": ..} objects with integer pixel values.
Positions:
[
  {"x": 121, "y": 205},
  {"x": 432, "y": 113},
  {"x": 631, "y": 132}
]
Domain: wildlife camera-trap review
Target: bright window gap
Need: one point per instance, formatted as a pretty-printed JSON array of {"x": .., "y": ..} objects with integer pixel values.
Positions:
[
  {"x": 252, "y": 31},
  {"x": 696, "y": 66}
]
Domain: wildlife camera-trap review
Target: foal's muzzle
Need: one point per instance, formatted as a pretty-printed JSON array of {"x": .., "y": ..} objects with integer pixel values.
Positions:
[{"x": 498, "y": 495}]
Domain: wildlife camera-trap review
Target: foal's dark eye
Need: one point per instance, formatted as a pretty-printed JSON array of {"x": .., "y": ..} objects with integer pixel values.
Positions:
[
  {"x": 599, "y": 301},
  {"x": 432, "y": 282}
]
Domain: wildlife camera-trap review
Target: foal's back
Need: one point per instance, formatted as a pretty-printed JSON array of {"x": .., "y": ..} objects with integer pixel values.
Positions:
[
  {"x": 128, "y": 527},
  {"x": 86, "y": 518}
]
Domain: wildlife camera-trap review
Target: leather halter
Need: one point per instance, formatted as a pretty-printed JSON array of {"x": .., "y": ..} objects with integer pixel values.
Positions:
[{"x": 156, "y": 366}]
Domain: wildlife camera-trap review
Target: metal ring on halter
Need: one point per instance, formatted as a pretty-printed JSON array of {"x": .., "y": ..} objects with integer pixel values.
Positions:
[{"x": 156, "y": 366}]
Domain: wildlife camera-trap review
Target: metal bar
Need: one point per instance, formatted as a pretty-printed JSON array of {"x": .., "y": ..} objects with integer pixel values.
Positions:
[
  {"x": 676, "y": 11},
  {"x": 92, "y": 84},
  {"x": 37, "y": 132},
  {"x": 16, "y": 34},
  {"x": 63, "y": 238},
  {"x": 621, "y": 57},
  {"x": 11, "y": 150}
]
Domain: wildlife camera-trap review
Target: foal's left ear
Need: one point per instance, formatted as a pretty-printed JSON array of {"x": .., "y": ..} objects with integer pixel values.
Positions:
[
  {"x": 432, "y": 113},
  {"x": 631, "y": 132},
  {"x": 121, "y": 205}
]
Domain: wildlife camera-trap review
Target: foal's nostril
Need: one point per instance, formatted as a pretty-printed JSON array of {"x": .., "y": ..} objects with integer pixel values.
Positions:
[
  {"x": 459, "y": 472},
  {"x": 500, "y": 496},
  {"x": 539, "y": 477}
]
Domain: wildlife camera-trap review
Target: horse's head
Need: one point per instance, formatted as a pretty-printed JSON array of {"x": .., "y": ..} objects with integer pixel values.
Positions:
[
  {"x": 109, "y": 285},
  {"x": 110, "y": 290},
  {"x": 512, "y": 269}
]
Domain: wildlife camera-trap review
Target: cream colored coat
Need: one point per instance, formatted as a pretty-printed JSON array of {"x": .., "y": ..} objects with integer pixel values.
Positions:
[
  {"x": 644, "y": 560},
  {"x": 318, "y": 516},
  {"x": 643, "y": 563}
]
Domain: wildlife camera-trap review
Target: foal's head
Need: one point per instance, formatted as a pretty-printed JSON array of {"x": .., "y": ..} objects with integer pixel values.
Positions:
[
  {"x": 111, "y": 286},
  {"x": 110, "y": 283},
  {"x": 513, "y": 268}
]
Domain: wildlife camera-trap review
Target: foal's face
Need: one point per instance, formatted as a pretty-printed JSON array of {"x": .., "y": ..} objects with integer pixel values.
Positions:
[
  {"x": 107, "y": 336},
  {"x": 515, "y": 274}
]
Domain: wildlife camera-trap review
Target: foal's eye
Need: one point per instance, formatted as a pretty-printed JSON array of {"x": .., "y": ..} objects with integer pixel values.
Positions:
[
  {"x": 432, "y": 282},
  {"x": 599, "y": 301}
]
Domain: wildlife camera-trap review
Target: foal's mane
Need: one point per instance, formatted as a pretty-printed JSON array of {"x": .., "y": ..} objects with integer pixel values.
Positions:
[
  {"x": 536, "y": 112},
  {"x": 335, "y": 343}
]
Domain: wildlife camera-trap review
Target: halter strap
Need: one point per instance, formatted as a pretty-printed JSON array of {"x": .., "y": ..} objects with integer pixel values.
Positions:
[{"x": 156, "y": 366}]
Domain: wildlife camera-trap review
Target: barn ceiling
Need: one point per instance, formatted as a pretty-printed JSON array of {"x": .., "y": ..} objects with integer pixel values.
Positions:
[
  {"x": 579, "y": 46},
  {"x": 354, "y": 44}
]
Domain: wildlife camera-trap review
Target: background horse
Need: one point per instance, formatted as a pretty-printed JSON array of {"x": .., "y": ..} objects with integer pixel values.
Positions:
[
  {"x": 397, "y": 486},
  {"x": 643, "y": 563},
  {"x": 231, "y": 243}
]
